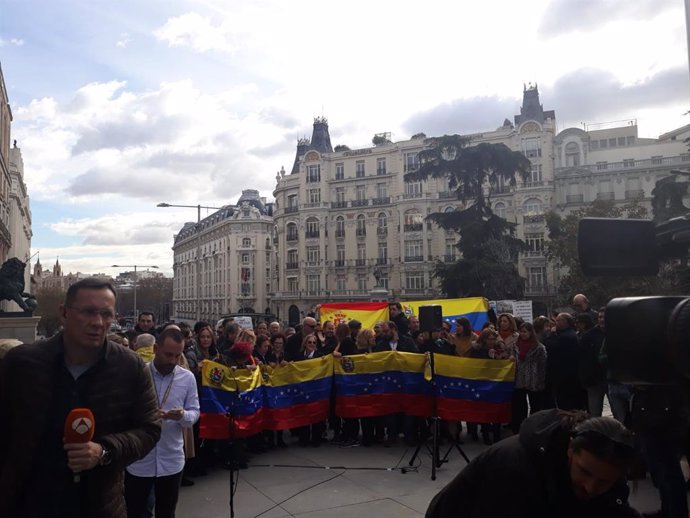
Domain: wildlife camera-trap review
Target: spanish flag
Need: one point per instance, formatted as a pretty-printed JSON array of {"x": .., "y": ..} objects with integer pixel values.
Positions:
[
  {"x": 473, "y": 308},
  {"x": 232, "y": 402},
  {"x": 469, "y": 389},
  {"x": 368, "y": 313},
  {"x": 382, "y": 383},
  {"x": 298, "y": 394}
]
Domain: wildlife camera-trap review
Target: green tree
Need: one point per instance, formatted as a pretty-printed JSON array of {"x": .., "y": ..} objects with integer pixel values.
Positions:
[
  {"x": 153, "y": 294},
  {"x": 488, "y": 247},
  {"x": 561, "y": 250},
  {"x": 49, "y": 300}
]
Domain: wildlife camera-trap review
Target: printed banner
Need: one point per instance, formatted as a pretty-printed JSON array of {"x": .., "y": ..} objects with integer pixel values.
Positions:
[
  {"x": 473, "y": 390},
  {"x": 382, "y": 383},
  {"x": 368, "y": 313},
  {"x": 472, "y": 308}
]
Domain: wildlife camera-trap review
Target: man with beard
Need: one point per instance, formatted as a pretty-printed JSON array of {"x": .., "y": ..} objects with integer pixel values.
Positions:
[
  {"x": 563, "y": 464},
  {"x": 178, "y": 407}
]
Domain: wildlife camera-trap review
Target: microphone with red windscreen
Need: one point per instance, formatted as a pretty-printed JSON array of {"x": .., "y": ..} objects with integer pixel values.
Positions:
[{"x": 79, "y": 428}]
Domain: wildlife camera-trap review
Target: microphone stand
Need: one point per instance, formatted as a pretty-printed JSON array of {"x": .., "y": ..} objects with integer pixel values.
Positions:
[{"x": 234, "y": 458}]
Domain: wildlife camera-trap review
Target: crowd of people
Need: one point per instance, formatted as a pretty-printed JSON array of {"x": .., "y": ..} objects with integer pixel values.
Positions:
[{"x": 146, "y": 405}]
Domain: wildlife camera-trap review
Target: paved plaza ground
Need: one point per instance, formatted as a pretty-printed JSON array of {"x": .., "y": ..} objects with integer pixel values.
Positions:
[{"x": 330, "y": 481}]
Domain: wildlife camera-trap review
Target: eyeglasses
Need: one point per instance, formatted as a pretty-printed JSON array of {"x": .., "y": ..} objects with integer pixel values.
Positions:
[
  {"x": 311, "y": 342},
  {"x": 105, "y": 314}
]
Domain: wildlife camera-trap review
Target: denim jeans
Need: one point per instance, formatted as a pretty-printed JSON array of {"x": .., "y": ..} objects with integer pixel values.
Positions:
[
  {"x": 619, "y": 399},
  {"x": 595, "y": 398},
  {"x": 663, "y": 460}
]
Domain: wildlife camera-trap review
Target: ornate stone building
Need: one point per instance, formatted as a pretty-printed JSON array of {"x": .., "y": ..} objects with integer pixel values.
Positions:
[
  {"x": 20, "y": 212},
  {"x": 5, "y": 181},
  {"x": 223, "y": 264}
]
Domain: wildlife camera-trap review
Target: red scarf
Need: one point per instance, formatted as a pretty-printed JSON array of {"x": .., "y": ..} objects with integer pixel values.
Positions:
[{"x": 524, "y": 346}]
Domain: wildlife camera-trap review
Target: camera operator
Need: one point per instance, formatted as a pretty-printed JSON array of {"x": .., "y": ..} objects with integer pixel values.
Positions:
[{"x": 562, "y": 464}]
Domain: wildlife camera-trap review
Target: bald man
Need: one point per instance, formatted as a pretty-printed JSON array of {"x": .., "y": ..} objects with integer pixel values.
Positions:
[
  {"x": 294, "y": 343},
  {"x": 581, "y": 305}
]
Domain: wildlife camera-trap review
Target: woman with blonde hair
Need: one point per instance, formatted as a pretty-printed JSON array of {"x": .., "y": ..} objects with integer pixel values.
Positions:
[
  {"x": 508, "y": 331},
  {"x": 366, "y": 340}
]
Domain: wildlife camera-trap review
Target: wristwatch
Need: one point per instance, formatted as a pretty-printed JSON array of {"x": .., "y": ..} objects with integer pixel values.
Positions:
[{"x": 106, "y": 457}]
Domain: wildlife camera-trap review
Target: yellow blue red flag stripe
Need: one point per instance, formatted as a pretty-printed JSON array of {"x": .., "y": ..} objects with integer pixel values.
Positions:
[{"x": 473, "y": 308}]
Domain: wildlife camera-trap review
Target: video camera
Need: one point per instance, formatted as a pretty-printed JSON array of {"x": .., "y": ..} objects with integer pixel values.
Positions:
[{"x": 647, "y": 338}]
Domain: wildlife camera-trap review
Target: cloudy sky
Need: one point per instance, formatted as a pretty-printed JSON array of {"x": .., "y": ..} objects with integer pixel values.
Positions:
[{"x": 120, "y": 105}]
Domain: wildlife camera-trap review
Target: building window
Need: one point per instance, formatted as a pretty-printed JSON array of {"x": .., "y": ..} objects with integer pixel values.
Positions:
[
  {"x": 312, "y": 227},
  {"x": 535, "y": 175},
  {"x": 340, "y": 255},
  {"x": 313, "y": 173},
  {"x": 383, "y": 254},
  {"x": 413, "y": 189},
  {"x": 531, "y": 147},
  {"x": 572, "y": 154},
  {"x": 361, "y": 254},
  {"x": 612, "y": 142},
  {"x": 414, "y": 221},
  {"x": 594, "y": 145},
  {"x": 414, "y": 281},
  {"x": 621, "y": 141},
  {"x": 292, "y": 285},
  {"x": 340, "y": 283},
  {"x": 532, "y": 206},
  {"x": 685, "y": 157},
  {"x": 340, "y": 196},
  {"x": 314, "y": 283},
  {"x": 361, "y": 225},
  {"x": 362, "y": 282},
  {"x": 339, "y": 226},
  {"x": 535, "y": 244},
  {"x": 314, "y": 195},
  {"x": 630, "y": 141},
  {"x": 411, "y": 162},
  {"x": 381, "y": 191},
  {"x": 339, "y": 171},
  {"x": 245, "y": 258},
  {"x": 359, "y": 171},
  {"x": 361, "y": 192},
  {"x": 292, "y": 259},
  {"x": 603, "y": 143},
  {"x": 413, "y": 250},
  {"x": 536, "y": 277},
  {"x": 246, "y": 242},
  {"x": 602, "y": 166},
  {"x": 657, "y": 160},
  {"x": 382, "y": 220},
  {"x": 380, "y": 166},
  {"x": 292, "y": 202},
  {"x": 500, "y": 210},
  {"x": 313, "y": 255},
  {"x": 451, "y": 250},
  {"x": 292, "y": 232}
]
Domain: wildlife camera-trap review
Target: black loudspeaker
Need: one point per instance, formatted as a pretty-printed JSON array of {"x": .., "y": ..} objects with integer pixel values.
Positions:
[{"x": 430, "y": 318}]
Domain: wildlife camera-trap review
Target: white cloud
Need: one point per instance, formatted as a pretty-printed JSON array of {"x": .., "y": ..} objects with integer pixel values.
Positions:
[
  {"x": 199, "y": 33},
  {"x": 123, "y": 41},
  {"x": 16, "y": 42}
]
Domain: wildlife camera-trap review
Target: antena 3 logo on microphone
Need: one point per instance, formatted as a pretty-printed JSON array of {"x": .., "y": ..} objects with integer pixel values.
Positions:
[
  {"x": 79, "y": 425},
  {"x": 82, "y": 425}
]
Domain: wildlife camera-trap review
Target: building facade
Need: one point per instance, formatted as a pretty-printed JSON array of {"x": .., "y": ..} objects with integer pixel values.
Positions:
[
  {"x": 20, "y": 213},
  {"x": 5, "y": 181},
  {"x": 223, "y": 264}
]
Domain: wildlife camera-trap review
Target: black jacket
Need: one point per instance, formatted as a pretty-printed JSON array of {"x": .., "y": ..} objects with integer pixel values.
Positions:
[
  {"x": 592, "y": 371},
  {"x": 526, "y": 476},
  {"x": 405, "y": 345},
  {"x": 562, "y": 365}
]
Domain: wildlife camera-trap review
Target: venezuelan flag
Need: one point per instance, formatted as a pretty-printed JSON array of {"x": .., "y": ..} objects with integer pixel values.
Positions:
[
  {"x": 368, "y": 313},
  {"x": 298, "y": 394},
  {"x": 382, "y": 383},
  {"x": 478, "y": 391},
  {"x": 473, "y": 308},
  {"x": 232, "y": 402}
]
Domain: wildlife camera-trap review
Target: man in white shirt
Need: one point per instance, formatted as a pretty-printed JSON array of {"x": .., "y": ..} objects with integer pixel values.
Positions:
[{"x": 178, "y": 404}]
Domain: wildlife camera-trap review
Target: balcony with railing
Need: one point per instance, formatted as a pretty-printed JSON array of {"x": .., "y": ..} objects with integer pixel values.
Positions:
[
  {"x": 338, "y": 204},
  {"x": 382, "y": 261},
  {"x": 535, "y": 185},
  {"x": 606, "y": 196},
  {"x": 381, "y": 201},
  {"x": 360, "y": 262},
  {"x": 312, "y": 233},
  {"x": 340, "y": 233},
  {"x": 574, "y": 198},
  {"x": 633, "y": 194},
  {"x": 291, "y": 209},
  {"x": 339, "y": 263},
  {"x": 413, "y": 227},
  {"x": 360, "y": 203},
  {"x": 533, "y": 218},
  {"x": 449, "y": 258},
  {"x": 292, "y": 265},
  {"x": 414, "y": 258},
  {"x": 361, "y": 232},
  {"x": 382, "y": 231},
  {"x": 412, "y": 195},
  {"x": 532, "y": 253},
  {"x": 292, "y": 236},
  {"x": 447, "y": 195}
]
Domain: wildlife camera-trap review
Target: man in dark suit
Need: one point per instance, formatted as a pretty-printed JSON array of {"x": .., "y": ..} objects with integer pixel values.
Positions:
[{"x": 391, "y": 340}]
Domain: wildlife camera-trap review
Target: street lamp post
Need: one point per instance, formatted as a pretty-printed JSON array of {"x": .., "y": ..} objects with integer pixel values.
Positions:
[
  {"x": 198, "y": 208},
  {"x": 135, "y": 266}
]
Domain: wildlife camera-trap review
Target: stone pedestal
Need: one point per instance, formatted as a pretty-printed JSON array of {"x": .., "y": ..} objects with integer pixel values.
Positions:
[
  {"x": 378, "y": 295},
  {"x": 20, "y": 328}
]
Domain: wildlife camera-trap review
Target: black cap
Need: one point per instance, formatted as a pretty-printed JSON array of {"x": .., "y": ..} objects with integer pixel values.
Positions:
[
  {"x": 607, "y": 427},
  {"x": 354, "y": 324}
]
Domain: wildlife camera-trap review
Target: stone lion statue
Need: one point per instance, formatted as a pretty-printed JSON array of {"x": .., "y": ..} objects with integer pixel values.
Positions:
[{"x": 12, "y": 284}]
